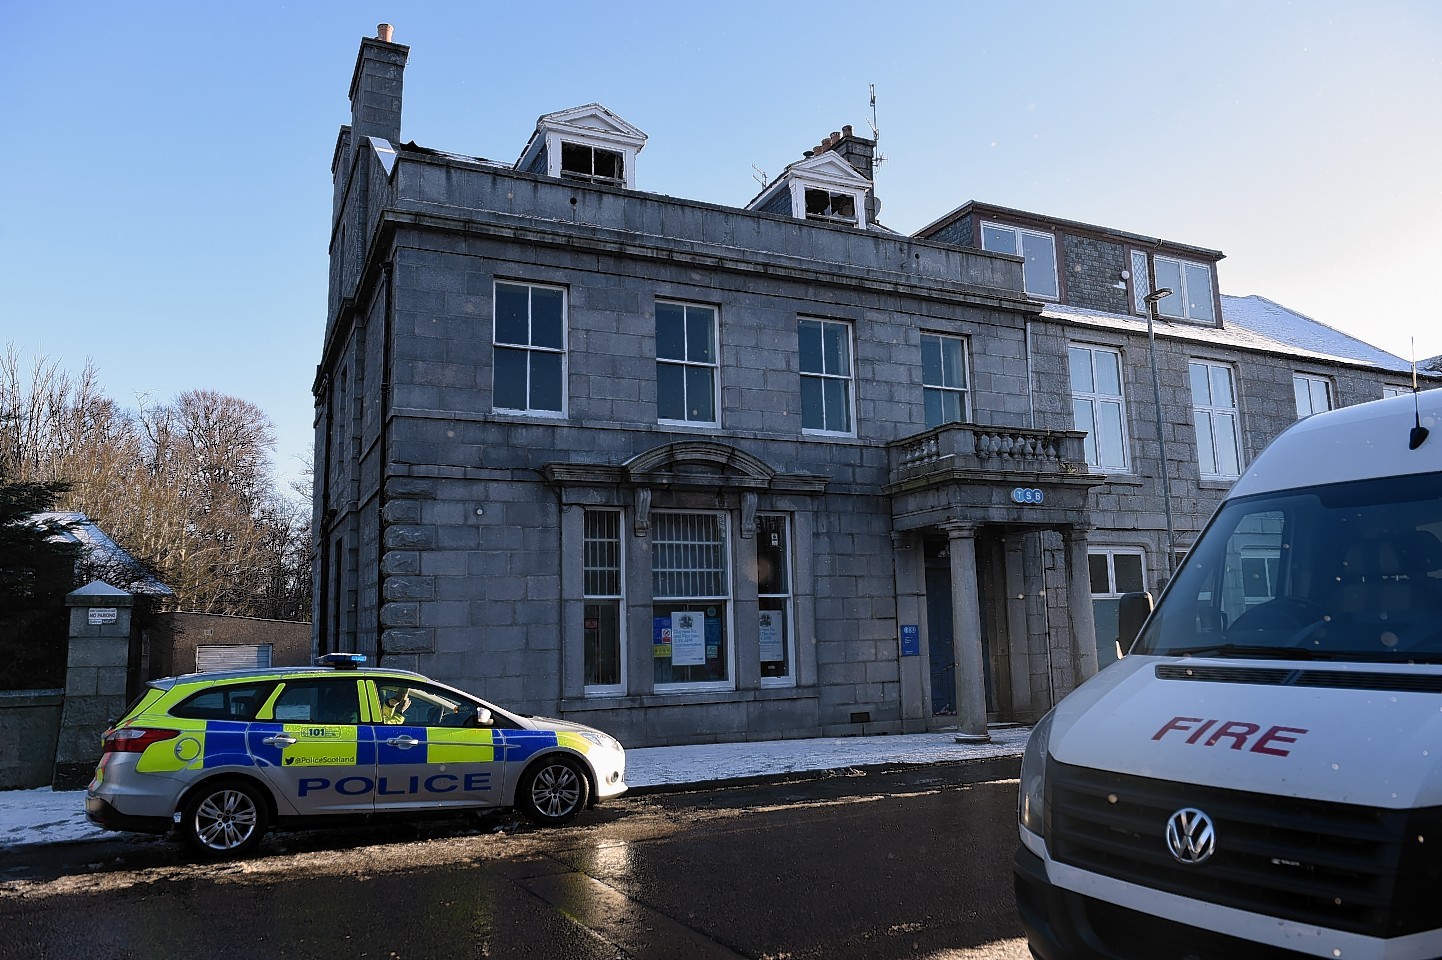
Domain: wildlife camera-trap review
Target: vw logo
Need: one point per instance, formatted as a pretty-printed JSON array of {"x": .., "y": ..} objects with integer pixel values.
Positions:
[{"x": 1190, "y": 836}]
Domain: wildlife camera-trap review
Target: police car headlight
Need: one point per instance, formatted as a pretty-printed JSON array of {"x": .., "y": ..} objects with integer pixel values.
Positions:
[
  {"x": 1031, "y": 798},
  {"x": 605, "y": 741}
]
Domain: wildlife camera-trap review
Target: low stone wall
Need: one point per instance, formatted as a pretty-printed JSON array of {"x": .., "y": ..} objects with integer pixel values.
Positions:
[{"x": 29, "y": 730}]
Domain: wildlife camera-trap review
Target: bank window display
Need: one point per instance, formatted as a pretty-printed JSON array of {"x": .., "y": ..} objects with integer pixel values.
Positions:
[
  {"x": 530, "y": 348},
  {"x": 1114, "y": 571},
  {"x": 690, "y": 595},
  {"x": 773, "y": 594},
  {"x": 601, "y": 575}
]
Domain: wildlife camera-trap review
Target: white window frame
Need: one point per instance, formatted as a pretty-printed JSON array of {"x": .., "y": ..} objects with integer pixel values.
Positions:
[
  {"x": 592, "y": 176},
  {"x": 1030, "y": 281},
  {"x": 963, "y": 391},
  {"x": 1392, "y": 390},
  {"x": 686, "y": 364},
  {"x": 1309, "y": 389},
  {"x": 850, "y": 197},
  {"x": 1095, "y": 399},
  {"x": 1216, "y": 414},
  {"x": 529, "y": 348},
  {"x": 728, "y": 598},
  {"x": 588, "y": 597},
  {"x": 1184, "y": 303},
  {"x": 846, "y": 377},
  {"x": 788, "y": 599}
]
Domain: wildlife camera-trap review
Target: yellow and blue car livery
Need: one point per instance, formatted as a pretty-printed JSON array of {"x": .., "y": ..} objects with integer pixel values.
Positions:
[{"x": 345, "y": 740}]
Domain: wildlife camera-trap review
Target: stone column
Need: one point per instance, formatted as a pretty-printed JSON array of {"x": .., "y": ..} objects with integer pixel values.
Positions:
[
  {"x": 95, "y": 675},
  {"x": 1079, "y": 603},
  {"x": 910, "y": 610},
  {"x": 966, "y": 634}
]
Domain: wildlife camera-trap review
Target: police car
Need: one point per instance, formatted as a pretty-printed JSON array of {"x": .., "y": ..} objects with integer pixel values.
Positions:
[{"x": 220, "y": 757}]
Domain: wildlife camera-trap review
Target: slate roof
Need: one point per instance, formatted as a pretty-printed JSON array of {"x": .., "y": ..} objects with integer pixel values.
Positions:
[{"x": 107, "y": 558}]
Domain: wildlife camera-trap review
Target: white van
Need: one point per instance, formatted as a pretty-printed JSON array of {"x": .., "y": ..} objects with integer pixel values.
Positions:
[{"x": 1261, "y": 776}]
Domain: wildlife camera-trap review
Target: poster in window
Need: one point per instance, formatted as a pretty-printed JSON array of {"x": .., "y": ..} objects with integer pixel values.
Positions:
[
  {"x": 688, "y": 639},
  {"x": 772, "y": 649},
  {"x": 661, "y": 638}
]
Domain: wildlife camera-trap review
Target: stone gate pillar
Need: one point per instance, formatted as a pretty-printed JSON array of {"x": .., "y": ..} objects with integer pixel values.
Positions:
[{"x": 95, "y": 676}]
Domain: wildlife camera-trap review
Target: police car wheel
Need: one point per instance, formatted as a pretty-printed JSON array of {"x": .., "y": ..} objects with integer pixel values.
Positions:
[
  {"x": 553, "y": 791},
  {"x": 224, "y": 819}
]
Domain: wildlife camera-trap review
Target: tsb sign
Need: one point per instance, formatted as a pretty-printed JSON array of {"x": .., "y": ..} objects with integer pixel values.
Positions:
[{"x": 1027, "y": 495}]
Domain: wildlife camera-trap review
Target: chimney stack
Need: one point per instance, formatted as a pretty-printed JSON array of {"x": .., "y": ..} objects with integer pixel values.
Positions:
[{"x": 376, "y": 87}]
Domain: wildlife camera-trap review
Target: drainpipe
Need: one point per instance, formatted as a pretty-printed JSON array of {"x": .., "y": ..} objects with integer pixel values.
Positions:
[{"x": 384, "y": 445}]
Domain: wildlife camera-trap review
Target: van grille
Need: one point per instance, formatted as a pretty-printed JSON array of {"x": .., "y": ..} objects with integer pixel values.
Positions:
[{"x": 1347, "y": 867}]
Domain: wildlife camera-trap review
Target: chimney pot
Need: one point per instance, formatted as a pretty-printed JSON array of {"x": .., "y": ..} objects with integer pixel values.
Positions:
[
  {"x": 846, "y": 130},
  {"x": 835, "y": 135},
  {"x": 826, "y": 143},
  {"x": 383, "y": 32}
]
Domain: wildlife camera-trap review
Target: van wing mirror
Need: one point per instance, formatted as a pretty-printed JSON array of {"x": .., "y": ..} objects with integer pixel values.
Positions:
[{"x": 1132, "y": 611}]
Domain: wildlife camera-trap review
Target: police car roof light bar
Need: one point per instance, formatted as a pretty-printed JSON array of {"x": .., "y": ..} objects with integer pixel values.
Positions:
[{"x": 341, "y": 661}]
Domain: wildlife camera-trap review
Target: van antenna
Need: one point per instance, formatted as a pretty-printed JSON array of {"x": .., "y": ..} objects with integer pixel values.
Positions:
[{"x": 1418, "y": 436}]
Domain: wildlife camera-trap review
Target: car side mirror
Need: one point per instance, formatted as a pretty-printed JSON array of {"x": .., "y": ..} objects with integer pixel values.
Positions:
[
  {"x": 484, "y": 717},
  {"x": 1132, "y": 611}
]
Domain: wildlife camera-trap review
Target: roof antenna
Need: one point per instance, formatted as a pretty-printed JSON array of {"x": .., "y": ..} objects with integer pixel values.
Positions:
[
  {"x": 1418, "y": 436},
  {"x": 877, "y": 159}
]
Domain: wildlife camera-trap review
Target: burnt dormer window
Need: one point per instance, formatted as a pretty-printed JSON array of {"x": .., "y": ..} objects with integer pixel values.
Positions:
[
  {"x": 580, "y": 161},
  {"x": 826, "y": 205}
]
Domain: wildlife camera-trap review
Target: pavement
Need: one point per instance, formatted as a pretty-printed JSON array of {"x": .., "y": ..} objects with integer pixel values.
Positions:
[{"x": 45, "y": 816}]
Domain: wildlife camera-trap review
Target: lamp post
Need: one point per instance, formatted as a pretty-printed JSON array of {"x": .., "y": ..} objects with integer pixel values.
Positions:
[{"x": 1152, "y": 299}]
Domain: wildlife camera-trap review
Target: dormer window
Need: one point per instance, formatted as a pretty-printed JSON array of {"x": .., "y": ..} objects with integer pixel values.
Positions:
[
  {"x": 825, "y": 205},
  {"x": 580, "y": 161},
  {"x": 1191, "y": 286},
  {"x": 1038, "y": 249}
]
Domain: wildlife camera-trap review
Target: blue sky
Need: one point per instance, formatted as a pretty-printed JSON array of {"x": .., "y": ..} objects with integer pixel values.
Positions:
[{"x": 167, "y": 169}]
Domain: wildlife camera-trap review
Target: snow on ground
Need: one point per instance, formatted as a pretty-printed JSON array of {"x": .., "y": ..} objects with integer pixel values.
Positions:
[{"x": 43, "y": 815}]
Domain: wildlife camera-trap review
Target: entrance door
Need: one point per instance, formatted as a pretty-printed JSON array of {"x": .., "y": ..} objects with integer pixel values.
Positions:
[{"x": 942, "y": 650}]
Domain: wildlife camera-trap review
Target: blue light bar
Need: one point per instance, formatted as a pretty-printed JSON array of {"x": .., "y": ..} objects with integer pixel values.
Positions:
[{"x": 341, "y": 661}]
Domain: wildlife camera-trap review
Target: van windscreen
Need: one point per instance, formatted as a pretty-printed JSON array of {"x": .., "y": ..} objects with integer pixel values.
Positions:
[{"x": 1349, "y": 571}]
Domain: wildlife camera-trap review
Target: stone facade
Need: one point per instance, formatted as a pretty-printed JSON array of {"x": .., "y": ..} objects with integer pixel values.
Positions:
[{"x": 921, "y": 569}]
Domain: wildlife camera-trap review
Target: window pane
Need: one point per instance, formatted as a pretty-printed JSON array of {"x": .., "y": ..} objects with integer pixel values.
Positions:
[
  {"x": 1206, "y": 451},
  {"x": 998, "y": 239},
  {"x": 602, "y": 639},
  {"x": 771, "y": 556},
  {"x": 935, "y": 407},
  {"x": 670, "y": 391},
  {"x": 575, "y": 158},
  {"x": 1303, "y": 396},
  {"x": 837, "y": 350},
  {"x": 1228, "y": 461},
  {"x": 1079, "y": 359},
  {"x": 670, "y": 331},
  {"x": 699, "y": 339},
  {"x": 953, "y": 368},
  {"x": 1109, "y": 434},
  {"x": 1100, "y": 573},
  {"x": 1082, "y": 414},
  {"x": 1169, "y": 277},
  {"x": 546, "y": 325},
  {"x": 1201, "y": 387},
  {"x": 510, "y": 379},
  {"x": 1129, "y": 572},
  {"x": 931, "y": 361},
  {"x": 690, "y": 642},
  {"x": 813, "y": 414},
  {"x": 809, "y": 334},
  {"x": 1199, "y": 292},
  {"x": 608, "y": 163},
  {"x": 1040, "y": 269},
  {"x": 601, "y": 560},
  {"x": 700, "y": 398},
  {"x": 513, "y": 314},
  {"x": 1109, "y": 374},
  {"x": 545, "y": 381},
  {"x": 1222, "y": 387},
  {"x": 952, "y": 411},
  {"x": 838, "y": 405}
]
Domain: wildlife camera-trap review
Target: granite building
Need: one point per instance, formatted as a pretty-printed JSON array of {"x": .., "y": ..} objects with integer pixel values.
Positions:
[{"x": 690, "y": 472}]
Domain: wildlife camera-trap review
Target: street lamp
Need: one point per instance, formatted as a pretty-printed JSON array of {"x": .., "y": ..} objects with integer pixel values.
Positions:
[{"x": 1152, "y": 299}]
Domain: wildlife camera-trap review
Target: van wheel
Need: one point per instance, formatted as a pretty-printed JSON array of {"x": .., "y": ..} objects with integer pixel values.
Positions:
[
  {"x": 553, "y": 791},
  {"x": 223, "y": 819}
]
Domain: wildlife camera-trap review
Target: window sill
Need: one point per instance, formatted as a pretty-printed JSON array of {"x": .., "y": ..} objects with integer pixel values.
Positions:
[{"x": 1217, "y": 483}]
